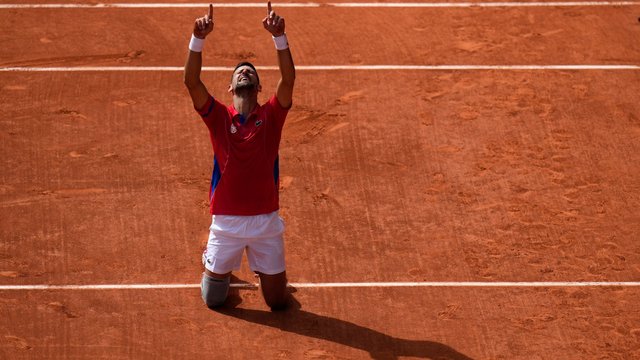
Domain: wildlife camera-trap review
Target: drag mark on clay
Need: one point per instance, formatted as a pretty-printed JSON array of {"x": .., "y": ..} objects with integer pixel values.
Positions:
[
  {"x": 449, "y": 313},
  {"x": 9, "y": 274},
  {"x": 62, "y": 309},
  {"x": 349, "y": 97},
  {"x": 14, "y": 87},
  {"x": 71, "y": 113},
  {"x": 60, "y": 193},
  {"x": 338, "y": 126},
  {"x": 18, "y": 342}
]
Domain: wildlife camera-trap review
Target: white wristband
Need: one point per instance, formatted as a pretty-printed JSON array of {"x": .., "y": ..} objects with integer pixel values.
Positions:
[
  {"x": 196, "y": 44},
  {"x": 281, "y": 42}
]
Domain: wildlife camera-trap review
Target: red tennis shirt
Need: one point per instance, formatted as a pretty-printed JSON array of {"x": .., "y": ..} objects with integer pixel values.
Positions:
[{"x": 245, "y": 177}]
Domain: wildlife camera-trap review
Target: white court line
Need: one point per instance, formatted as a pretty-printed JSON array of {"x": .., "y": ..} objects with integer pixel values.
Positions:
[
  {"x": 325, "y": 68},
  {"x": 513, "y": 284},
  {"x": 491, "y": 4},
  {"x": 318, "y": 5}
]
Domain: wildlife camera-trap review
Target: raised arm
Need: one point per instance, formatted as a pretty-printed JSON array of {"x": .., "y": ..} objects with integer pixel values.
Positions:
[
  {"x": 275, "y": 25},
  {"x": 202, "y": 27}
]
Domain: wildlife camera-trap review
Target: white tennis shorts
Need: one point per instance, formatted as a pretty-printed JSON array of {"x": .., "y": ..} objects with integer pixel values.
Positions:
[{"x": 230, "y": 235}]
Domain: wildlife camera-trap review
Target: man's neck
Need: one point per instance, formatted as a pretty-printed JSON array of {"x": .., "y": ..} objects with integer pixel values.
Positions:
[{"x": 245, "y": 104}]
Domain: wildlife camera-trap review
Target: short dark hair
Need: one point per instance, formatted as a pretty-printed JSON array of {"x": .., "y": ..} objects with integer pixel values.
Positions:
[{"x": 246, "y": 63}]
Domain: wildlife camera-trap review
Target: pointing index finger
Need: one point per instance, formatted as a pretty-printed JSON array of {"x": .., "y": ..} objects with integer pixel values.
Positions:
[
  {"x": 268, "y": 8},
  {"x": 210, "y": 11}
]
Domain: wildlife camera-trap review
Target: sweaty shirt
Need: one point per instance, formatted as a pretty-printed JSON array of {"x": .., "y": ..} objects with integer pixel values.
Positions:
[{"x": 245, "y": 177}]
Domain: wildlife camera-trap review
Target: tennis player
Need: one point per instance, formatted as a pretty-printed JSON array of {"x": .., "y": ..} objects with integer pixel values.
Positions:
[{"x": 244, "y": 186}]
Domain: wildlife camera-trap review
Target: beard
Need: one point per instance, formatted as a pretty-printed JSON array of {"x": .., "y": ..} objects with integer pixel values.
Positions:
[{"x": 245, "y": 87}]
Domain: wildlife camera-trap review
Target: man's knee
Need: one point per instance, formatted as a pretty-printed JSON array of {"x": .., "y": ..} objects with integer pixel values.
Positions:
[
  {"x": 214, "y": 291},
  {"x": 274, "y": 290},
  {"x": 278, "y": 303}
]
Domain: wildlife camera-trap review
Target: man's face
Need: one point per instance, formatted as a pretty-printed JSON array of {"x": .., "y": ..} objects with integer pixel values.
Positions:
[{"x": 244, "y": 78}]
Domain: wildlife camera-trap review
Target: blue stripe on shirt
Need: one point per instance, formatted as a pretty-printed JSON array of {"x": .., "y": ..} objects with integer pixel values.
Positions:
[
  {"x": 276, "y": 170},
  {"x": 210, "y": 108},
  {"x": 215, "y": 177}
]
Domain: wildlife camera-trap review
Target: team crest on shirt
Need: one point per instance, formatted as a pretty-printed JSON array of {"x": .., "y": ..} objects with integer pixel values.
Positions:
[
  {"x": 233, "y": 129},
  {"x": 258, "y": 123}
]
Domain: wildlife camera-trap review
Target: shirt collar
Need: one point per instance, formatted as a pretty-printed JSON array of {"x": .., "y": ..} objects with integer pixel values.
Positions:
[{"x": 234, "y": 113}]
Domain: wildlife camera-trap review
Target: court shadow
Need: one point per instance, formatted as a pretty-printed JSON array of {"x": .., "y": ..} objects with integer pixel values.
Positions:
[
  {"x": 233, "y": 298},
  {"x": 379, "y": 345}
]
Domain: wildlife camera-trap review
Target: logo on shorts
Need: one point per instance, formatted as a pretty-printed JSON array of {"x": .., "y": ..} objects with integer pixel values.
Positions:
[{"x": 258, "y": 123}]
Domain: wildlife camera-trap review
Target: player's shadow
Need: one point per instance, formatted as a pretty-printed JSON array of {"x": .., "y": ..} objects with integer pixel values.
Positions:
[
  {"x": 233, "y": 298},
  {"x": 379, "y": 345}
]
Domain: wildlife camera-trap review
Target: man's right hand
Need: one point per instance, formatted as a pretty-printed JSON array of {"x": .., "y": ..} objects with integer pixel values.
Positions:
[{"x": 204, "y": 25}]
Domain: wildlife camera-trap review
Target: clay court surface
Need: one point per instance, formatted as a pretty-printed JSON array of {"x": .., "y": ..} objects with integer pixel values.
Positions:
[{"x": 394, "y": 175}]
